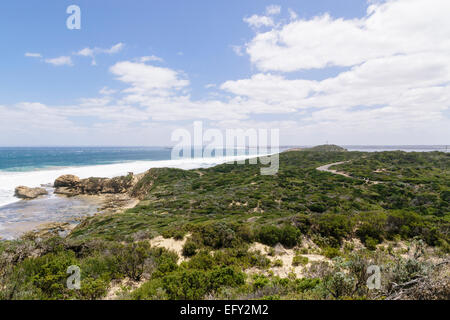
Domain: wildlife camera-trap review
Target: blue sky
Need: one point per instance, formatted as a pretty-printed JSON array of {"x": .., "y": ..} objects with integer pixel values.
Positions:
[
  {"x": 223, "y": 55},
  {"x": 202, "y": 30}
]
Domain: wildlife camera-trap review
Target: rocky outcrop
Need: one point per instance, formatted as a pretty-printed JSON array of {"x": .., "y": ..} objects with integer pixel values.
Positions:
[
  {"x": 67, "y": 181},
  {"x": 29, "y": 193},
  {"x": 70, "y": 185}
]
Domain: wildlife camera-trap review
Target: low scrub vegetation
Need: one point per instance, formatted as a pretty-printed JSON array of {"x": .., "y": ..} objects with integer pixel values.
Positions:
[{"x": 391, "y": 197}]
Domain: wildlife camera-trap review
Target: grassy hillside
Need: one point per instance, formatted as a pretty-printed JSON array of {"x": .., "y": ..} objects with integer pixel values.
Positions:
[{"x": 220, "y": 212}]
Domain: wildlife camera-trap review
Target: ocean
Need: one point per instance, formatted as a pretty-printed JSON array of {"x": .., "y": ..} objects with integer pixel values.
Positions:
[{"x": 40, "y": 166}]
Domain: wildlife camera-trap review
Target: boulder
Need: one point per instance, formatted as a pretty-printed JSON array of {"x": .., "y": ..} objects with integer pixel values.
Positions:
[
  {"x": 68, "y": 185},
  {"x": 29, "y": 193},
  {"x": 69, "y": 192},
  {"x": 67, "y": 181},
  {"x": 93, "y": 185}
]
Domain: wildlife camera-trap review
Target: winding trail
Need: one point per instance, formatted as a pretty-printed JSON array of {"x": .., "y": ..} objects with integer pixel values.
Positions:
[{"x": 326, "y": 168}]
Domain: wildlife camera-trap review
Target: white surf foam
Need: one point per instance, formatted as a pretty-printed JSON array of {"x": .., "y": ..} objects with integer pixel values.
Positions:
[{"x": 10, "y": 180}]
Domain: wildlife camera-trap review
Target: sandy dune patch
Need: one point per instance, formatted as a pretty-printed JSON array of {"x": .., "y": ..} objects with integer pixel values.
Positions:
[
  {"x": 119, "y": 287},
  {"x": 286, "y": 256},
  {"x": 171, "y": 244}
]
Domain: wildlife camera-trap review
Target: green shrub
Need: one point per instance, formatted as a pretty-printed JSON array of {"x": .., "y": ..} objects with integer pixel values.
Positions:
[
  {"x": 371, "y": 225},
  {"x": 260, "y": 281},
  {"x": 300, "y": 260},
  {"x": 277, "y": 263},
  {"x": 189, "y": 249},
  {"x": 306, "y": 284},
  {"x": 370, "y": 243},
  {"x": 225, "y": 277},
  {"x": 331, "y": 252},
  {"x": 150, "y": 290},
  {"x": 269, "y": 235},
  {"x": 166, "y": 262},
  {"x": 185, "y": 285},
  {"x": 287, "y": 235},
  {"x": 290, "y": 236},
  {"x": 93, "y": 289},
  {"x": 177, "y": 234},
  {"x": 336, "y": 227},
  {"x": 202, "y": 260},
  {"x": 217, "y": 235},
  {"x": 49, "y": 273},
  {"x": 133, "y": 259}
]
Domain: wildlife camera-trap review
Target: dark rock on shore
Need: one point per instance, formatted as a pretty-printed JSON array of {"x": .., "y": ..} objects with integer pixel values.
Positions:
[
  {"x": 71, "y": 185},
  {"x": 23, "y": 192}
]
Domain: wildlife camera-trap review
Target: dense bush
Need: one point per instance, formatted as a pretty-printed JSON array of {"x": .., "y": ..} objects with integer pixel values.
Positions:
[
  {"x": 189, "y": 249},
  {"x": 186, "y": 284},
  {"x": 48, "y": 274},
  {"x": 331, "y": 252},
  {"x": 287, "y": 235},
  {"x": 134, "y": 259},
  {"x": 217, "y": 235},
  {"x": 300, "y": 260},
  {"x": 335, "y": 227}
]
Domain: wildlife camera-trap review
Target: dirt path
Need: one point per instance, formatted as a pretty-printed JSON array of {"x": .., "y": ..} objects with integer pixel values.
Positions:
[{"x": 326, "y": 168}]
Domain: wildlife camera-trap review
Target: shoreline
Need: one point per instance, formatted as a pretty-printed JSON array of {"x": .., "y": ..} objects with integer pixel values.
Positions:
[{"x": 104, "y": 204}]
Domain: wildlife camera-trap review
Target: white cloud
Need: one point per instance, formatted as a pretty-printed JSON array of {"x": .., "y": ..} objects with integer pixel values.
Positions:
[
  {"x": 391, "y": 28},
  {"x": 114, "y": 49},
  {"x": 256, "y": 21},
  {"x": 238, "y": 50},
  {"x": 33, "y": 55},
  {"x": 147, "y": 78},
  {"x": 92, "y": 52},
  {"x": 273, "y": 10},
  {"x": 86, "y": 52},
  {"x": 60, "y": 61},
  {"x": 292, "y": 14},
  {"x": 107, "y": 91},
  {"x": 151, "y": 58}
]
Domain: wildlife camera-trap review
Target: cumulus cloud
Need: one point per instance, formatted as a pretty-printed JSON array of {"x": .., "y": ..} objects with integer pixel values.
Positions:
[
  {"x": 114, "y": 49},
  {"x": 92, "y": 52},
  {"x": 33, "y": 55},
  {"x": 145, "y": 78},
  {"x": 257, "y": 21},
  {"x": 107, "y": 91},
  {"x": 390, "y": 28},
  {"x": 273, "y": 10},
  {"x": 292, "y": 14},
  {"x": 60, "y": 61},
  {"x": 151, "y": 58}
]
